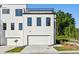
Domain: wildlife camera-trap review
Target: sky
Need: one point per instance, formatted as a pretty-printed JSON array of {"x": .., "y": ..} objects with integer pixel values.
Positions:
[{"x": 70, "y": 8}]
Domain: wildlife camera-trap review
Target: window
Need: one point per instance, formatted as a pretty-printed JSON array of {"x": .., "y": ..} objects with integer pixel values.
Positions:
[
  {"x": 48, "y": 21},
  {"x": 5, "y": 11},
  {"x": 4, "y": 26},
  {"x": 38, "y": 21},
  {"x": 20, "y": 26},
  {"x": 29, "y": 21},
  {"x": 12, "y": 26},
  {"x": 18, "y": 12}
]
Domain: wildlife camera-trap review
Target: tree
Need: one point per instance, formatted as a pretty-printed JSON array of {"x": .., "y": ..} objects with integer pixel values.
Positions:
[{"x": 65, "y": 25}]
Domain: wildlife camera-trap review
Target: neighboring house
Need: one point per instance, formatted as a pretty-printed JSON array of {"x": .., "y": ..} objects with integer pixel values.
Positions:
[{"x": 28, "y": 26}]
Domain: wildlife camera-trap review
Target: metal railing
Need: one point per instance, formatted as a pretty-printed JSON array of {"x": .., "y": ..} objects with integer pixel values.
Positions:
[{"x": 27, "y": 10}]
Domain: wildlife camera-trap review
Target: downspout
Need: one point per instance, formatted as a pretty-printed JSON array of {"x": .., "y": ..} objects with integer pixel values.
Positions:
[
  {"x": 0, "y": 24},
  {"x": 54, "y": 28},
  {"x": 23, "y": 26}
]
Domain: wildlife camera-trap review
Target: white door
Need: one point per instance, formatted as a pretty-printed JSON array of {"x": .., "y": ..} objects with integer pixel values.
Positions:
[{"x": 39, "y": 40}]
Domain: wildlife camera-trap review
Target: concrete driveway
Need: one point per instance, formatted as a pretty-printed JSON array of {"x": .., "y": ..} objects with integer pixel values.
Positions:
[{"x": 39, "y": 49}]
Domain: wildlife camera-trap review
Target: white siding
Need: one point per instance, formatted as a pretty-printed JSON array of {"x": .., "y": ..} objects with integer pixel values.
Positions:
[
  {"x": 11, "y": 18},
  {"x": 2, "y": 33},
  {"x": 39, "y": 30},
  {"x": 22, "y": 35}
]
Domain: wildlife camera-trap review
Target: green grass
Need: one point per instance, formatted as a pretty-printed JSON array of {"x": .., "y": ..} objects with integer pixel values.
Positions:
[
  {"x": 17, "y": 49},
  {"x": 66, "y": 49}
]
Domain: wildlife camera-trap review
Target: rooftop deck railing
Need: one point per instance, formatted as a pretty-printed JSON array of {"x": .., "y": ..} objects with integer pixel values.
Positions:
[{"x": 27, "y": 10}]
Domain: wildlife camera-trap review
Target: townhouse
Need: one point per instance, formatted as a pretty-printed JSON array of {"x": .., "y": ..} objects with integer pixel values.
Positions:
[{"x": 26, "y": 26}]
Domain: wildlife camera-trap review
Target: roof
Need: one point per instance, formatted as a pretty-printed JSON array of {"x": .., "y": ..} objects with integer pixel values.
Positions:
[{"x": 40, "y": 11}]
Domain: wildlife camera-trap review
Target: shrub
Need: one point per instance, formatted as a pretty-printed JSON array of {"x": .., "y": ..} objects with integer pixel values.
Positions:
[{"x": 61, "y": 41}]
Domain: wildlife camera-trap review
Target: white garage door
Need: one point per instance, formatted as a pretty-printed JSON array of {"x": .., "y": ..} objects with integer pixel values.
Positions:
[
  {"x": 39, "y": 40},
  {"x": 11, "y": 41}
]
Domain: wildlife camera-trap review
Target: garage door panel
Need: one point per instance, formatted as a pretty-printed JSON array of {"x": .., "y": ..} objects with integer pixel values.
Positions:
[
  {"x": 39, "y": 40},
  {"x": 11, "y": 42}
]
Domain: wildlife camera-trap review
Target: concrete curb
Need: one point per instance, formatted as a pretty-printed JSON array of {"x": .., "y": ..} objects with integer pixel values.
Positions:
[{"x": 68, "y": 52}]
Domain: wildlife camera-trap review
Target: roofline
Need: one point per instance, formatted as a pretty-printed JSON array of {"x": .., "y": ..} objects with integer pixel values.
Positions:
[
  {"x": 13, "y": 4},
  {"x": 40, "y": 13},
  {"x": 41, "y": 9},
  {"x": 30, "y": 9}
]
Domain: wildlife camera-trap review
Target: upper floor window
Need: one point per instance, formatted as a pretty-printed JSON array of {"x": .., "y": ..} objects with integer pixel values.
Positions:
[
  {"x": 38, "y": 21},
  {"x": 20, "y": 26},
  {"x": 12, "y": 26},
  {"x": 29, "y": 21},
  {"x": 48, "y": 21},
  {"x": 4, "y": 26},
  {"x": 18, "y": 12},
  {"x": 5, "y": 11}
]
